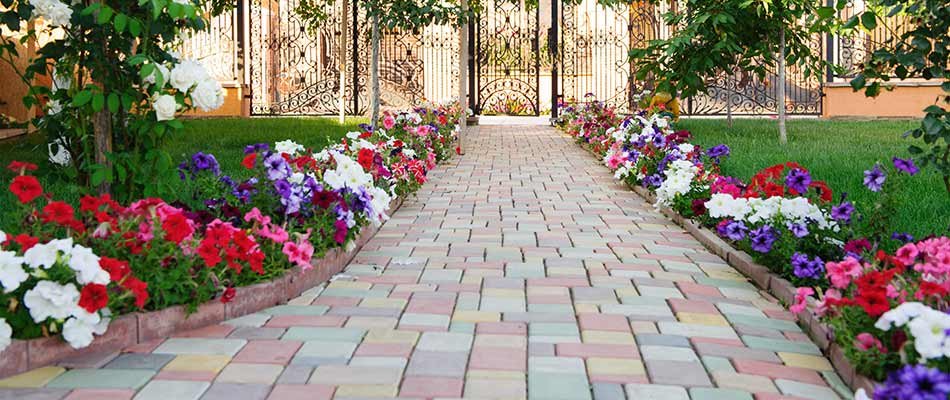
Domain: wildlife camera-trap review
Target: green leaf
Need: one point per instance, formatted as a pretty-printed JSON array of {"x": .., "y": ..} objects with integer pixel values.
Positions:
[
  {"x": 825, "y": 12},
  {"x": 932, "y": 125},
  {"x": 105, "y": 15},
  {"x": 135, "y": 27},
  {"x": 98, "y": 101},
  {"x": 858, "y": 82},
  {"x": 869, "y": 20},
  {"x": 82, "y": 98},
  {"x": 121, "y": 21},
  {"x": 113, "y": 103},
  {"x": 90, "y": 9}
]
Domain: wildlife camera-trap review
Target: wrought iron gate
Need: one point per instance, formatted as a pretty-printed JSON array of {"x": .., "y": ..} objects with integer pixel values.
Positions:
[
  {"x": 295, "y": 71},
  {"x": 507, "y": 59}
]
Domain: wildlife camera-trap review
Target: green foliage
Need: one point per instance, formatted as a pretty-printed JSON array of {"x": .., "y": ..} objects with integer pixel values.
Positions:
[
  {"x": 922, "y": 51},
  {"x": 719, "y": 36},
  {"x": 409, "y": 15},
  {"x": 101, "y": 56}
]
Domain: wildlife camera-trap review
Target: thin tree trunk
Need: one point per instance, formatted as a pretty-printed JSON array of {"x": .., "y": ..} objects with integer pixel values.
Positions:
[
  {"x": 102, "y": 133},
  {"x": 374, "y": 74},
  {"x": 343, "y": 43},
  {"x": 780, "y": 100},
  {"x": 463, "y": 79}
]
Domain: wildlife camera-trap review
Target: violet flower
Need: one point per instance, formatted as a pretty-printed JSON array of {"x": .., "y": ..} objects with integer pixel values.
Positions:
[
  {"x": 917, "y": 382},
  {"x": 276, "y": 167},
  {"x": 762, "y": 239},
  {"x": 843, "y": 211},
  {"x": 874, "y": 178},
  {"x": 735, "y": 230},
  {"x": 798, "y": 180},
  {"x": 906, "y": 165},
  {"x": 799, "y": 230},
  {"x": 803, "y": 267}
]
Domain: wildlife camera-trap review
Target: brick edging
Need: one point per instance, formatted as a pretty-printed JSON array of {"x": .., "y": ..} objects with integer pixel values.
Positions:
[
  {"x": 766, "y": 280},
  {"x": 141, "y": 327}
]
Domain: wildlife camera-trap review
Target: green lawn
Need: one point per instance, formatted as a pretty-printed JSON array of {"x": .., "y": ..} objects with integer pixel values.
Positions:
[
  {"x": 225, "y": 138},
  {"x": 834, "y": 151}
]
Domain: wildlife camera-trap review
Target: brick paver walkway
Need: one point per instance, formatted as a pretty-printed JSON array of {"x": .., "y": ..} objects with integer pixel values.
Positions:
[{"x": 525, "y": 270}]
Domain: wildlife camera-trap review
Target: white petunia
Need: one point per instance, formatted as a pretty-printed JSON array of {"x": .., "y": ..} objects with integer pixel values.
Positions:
[
  {"x": 86, "y": 265},
  {"x": 41, "y": 255},
  {"x": 59, "y": 153},
  {"x": 3, "y": 237},
  {"x": 78, "y": 331},
  {"x": 289, "y": 147},
  {"x": 6, "y": 334},
  {"x": 51, "y": 300},
  {"x": 11, "y": 271}
]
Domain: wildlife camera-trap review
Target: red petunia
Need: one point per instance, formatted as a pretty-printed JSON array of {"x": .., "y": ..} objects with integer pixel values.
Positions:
[
  {"x": 117, "y": 269},
  {"x": 26, "y": 188},
  {"x": 458, "y": 150},
  {"x": 324, "y": 198},
  {"x": 25, "y": 241},
  {"x": 89, "y": 204},
  {"x": 209, "y": 253},
  {"x": 21, "y": 166},
  {"x": 930, "y": 289},
  {"x": 177, "y": 228},
  {"x": 58, "y": 212},
  {"x": 228, "y": 295},
  {"x": 365, "y": 158},
  {"x": 249, "y": 160},
  {"x": 93, "y": 297},
  {"x": 138, "y": 288},
  {"x": 874, "y": 303}
]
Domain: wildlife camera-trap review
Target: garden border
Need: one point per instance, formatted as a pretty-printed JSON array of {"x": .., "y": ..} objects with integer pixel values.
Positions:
[
  {"x": 765, "y": 280},
  {"x": 143, "y": 327}
]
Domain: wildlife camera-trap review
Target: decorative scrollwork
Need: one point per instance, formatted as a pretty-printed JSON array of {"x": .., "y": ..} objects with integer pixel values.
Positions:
[{"x": 508, "y": 60}]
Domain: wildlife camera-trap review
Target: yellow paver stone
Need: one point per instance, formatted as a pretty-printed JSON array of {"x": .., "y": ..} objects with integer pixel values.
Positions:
[
  {"x": 586, "y": 308},
  {"x": 198, "y": 362},
  {"x": 390, "y": 336},
  {"x": 32, "y": 379},
  {"x": 503, "y": 293},
  {"x": 641, "y": 327},
  {"x": 746, "y": 382},
  {"x": 614, "y": 366},
  {"x": 507, "y": 341},
  {"x": 702, "y": 319},
  {"x": 350, "y": 285},
  {"x": 627, "y": 292},
  {"x": 607, "y": 337},
  {"x": 367, "y": 391},
  {"x": 383, "y": 302},
  {"x": 805, "y": 361}
]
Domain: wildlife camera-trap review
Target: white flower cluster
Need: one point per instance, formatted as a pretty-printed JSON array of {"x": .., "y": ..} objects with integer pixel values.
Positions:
[
  {"x": 754, "y": 210},
  {"x": 49, "y": 299},
  {"x": 289, "y": 147},
  {"x": 53, "y": 12},
  {"x": 188, "y": 77},
  {"x": 347, "y": 174},
  {"x": 679, "y": 178},
  {"x": 929, "y": 328}
]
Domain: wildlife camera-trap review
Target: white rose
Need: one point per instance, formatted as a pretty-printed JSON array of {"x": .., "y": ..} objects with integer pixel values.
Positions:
[
  {"x": 51, "y": 300},
  {"x": 54, "y": 107},
  {"x": 160, "y": 70},
  {"x": 165, "y": 107},
  {"x": 187, "y": 74},
  {"x": 11, "y": 271},
  {"x": 3, "y": 237},
  {"x": 6, "y": 333},
  {"x": 208, "y": 95},
  {"x": 58, "y": 153}
]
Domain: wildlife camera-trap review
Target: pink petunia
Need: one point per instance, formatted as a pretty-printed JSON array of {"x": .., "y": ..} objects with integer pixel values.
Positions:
[
  {"x": 299, "y": 253},
  {"x": 841, "y": 273},
  {"x": 866, "y": 341},
  {"x": 801, "y": 299},
  {"x": 831, "y": 296},
  {"x": 388, "y": 122},
  {"x": 907, "y": 254}
]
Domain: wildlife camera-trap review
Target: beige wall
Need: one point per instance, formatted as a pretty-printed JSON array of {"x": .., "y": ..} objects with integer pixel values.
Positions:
[
  {"x": 234, "y": 104},
  {"x": 907, "y": 100},
  {"x": 12, "y": 89}
]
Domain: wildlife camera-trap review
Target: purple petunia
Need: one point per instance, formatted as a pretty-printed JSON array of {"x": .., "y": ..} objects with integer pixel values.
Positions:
[
  {"x": 803, "y": 267},
  {"x": 734, "y": 230},
  {"x": 798, "y": 180},
  {"x": 874, "y": 178},
  {"x": 254, "y": 148},
  {"x": 902, "y": 237},
  {"x": 843, "y": 211},
  {"x": 761, "y": 239},
  {"x": 917, "y": 382},
  {"x": 906, "y": 165},
  {"x": 277, "y": 168},
  {"x": 717, "y": 152},
  {"x": 654, "y": 180},
  {"x": 799, "y": 230}
]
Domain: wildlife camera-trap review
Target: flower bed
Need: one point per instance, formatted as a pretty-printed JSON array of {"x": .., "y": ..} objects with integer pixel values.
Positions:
[
  {"x": 223, "y": 250},
  {"x": 790, "y": 231}
]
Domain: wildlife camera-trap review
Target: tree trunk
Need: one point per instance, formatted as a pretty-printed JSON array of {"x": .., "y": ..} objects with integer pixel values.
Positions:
[
  {"x": 343, "y": 43},
  {"x": 780, "y": 97},
  {"x": 102, "y": 132},
  {"x": 374, "y": 73}
]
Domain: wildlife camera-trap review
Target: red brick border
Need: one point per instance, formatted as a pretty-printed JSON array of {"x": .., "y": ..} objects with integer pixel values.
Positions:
[{"x": 135, "y": 328}]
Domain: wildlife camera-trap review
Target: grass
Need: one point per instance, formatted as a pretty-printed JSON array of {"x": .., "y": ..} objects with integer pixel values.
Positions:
[
  {"x": 837, "y": 152},
  {"x": 225, "y": 138}
]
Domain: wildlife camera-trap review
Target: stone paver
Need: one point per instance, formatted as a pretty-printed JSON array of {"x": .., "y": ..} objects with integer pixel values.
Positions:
[{"x": 522, "y": 270}]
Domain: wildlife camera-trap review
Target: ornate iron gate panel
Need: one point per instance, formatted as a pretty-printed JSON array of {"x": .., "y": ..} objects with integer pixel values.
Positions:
[
  {"x": 594, "y": 46},
  {"x": 297, "y": 72},
  {"x": 507, "y": 59}
]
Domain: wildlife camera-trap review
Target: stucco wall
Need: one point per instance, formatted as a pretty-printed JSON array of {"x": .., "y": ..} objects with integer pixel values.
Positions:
[
  {"x": 234, "y": 105},
  {"x": 12, "y": 89},
  {"x": 907, "y": 100}
]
